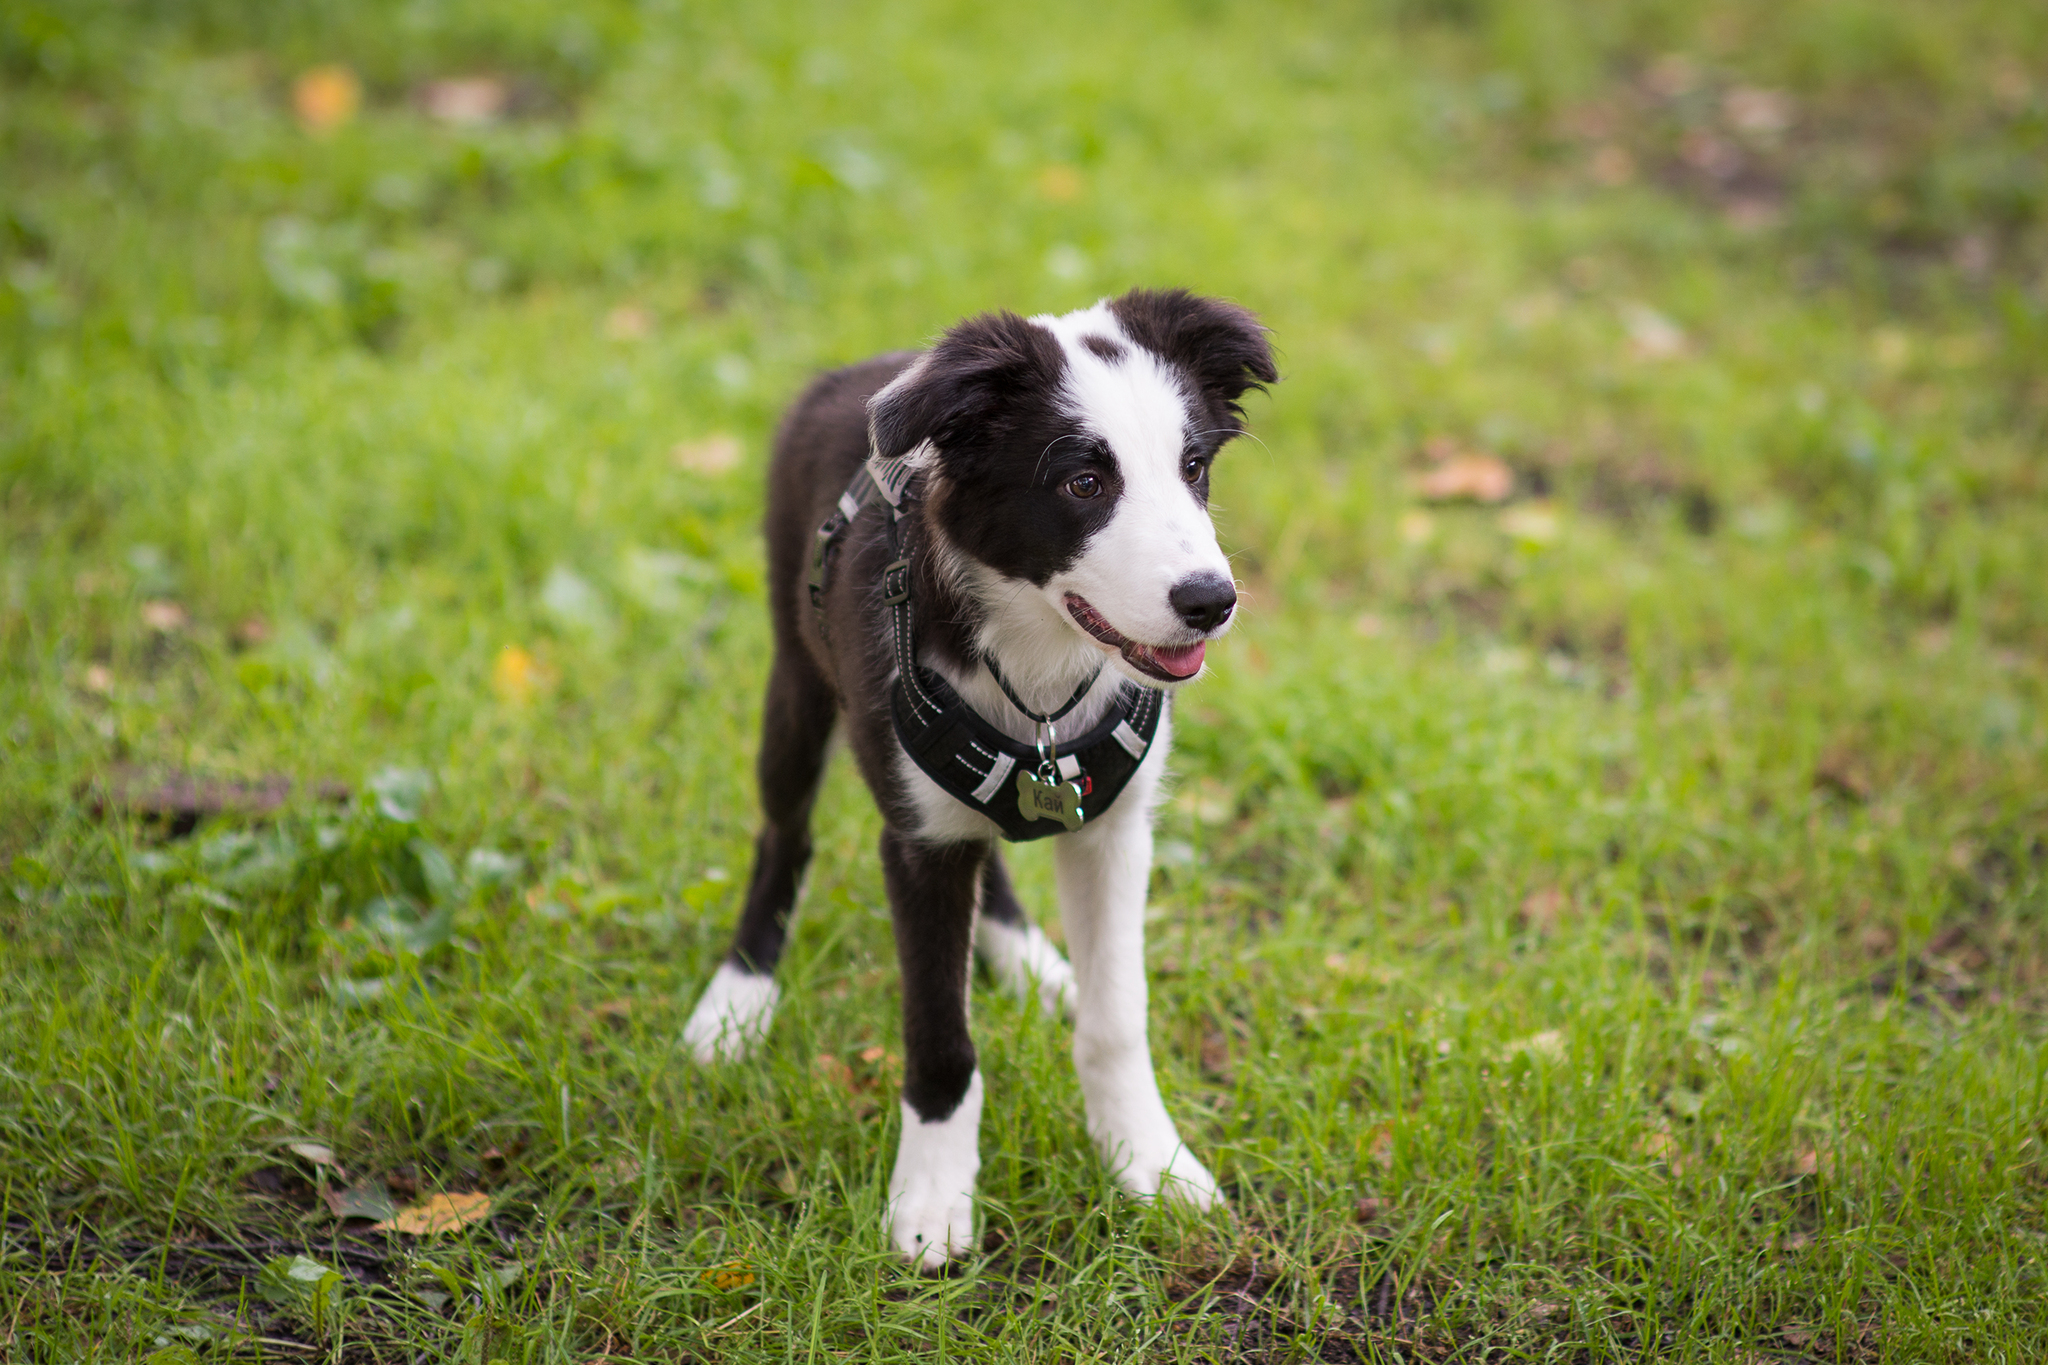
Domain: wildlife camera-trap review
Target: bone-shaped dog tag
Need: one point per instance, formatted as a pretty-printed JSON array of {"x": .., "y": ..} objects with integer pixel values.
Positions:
[{"x": 1040, "y": 800}]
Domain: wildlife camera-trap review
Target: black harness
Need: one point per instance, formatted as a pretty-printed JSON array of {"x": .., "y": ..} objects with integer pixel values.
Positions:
[{"x": 1030, "y": 791}]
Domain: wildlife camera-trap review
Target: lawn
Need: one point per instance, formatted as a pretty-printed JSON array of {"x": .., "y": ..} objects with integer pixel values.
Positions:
[{"x": 1603, "y": 910}]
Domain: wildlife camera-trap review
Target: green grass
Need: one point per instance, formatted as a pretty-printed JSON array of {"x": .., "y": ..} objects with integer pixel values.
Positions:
[{"x": 1634, "y": 895}]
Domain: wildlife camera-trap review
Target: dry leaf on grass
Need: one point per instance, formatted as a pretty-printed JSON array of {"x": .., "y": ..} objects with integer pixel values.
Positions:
[
  {"x": 1843, "y": 771},
  {"x": 1612, "y": 165},
  {"x": 1818, "y": 1161},
  {"x": 467, "y": 100},
  {"x": 1651, "y": 335},
  {"x": 712, "y": 455},
  {"x": 326, "y": 97},
  {"x": 437, "y": 1214},
  {"x": 1480, "y": 478},
  {"x": 1762, "y": 113},
  {"x": 163, "y": 615},
  {"x": 628, "y": 322},
  {"x": 729, "y": 1276},
  {"x": 517, "y": 676},
  {"x": 320, "y": 1154},
  {"x": 1661, "y": 1144},
  {"x": 1542, "y": 909},
  {"x": 1061, "y": 184},
  {"x": 368, "y": 1200}
]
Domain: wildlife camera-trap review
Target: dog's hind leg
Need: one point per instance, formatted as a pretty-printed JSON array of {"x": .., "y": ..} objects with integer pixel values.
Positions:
[
  {"x": 1016, "y": 952},
  {"x": 796, "y": 730},
  {"x": 932, "y": 893}
]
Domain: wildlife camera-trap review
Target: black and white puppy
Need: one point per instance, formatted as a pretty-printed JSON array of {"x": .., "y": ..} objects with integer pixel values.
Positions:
[{"x": 1056, "y": 476}]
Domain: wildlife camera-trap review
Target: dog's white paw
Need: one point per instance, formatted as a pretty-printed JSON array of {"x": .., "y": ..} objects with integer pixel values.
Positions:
[
  {"x": 1023, "y": 961},
  {"x": 931, "y": 1192},
  {"x": 1180, "y": 1179},
  {"x": 1165, "y": 1169},
  {"x": 732, "y": 1016}
]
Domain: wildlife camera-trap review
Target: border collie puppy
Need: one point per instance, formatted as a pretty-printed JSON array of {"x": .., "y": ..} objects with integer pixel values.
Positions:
[{"x": 989, "y": 563}]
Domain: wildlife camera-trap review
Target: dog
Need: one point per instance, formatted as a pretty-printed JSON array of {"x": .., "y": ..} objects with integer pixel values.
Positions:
[{"x": 989, "y": 563}]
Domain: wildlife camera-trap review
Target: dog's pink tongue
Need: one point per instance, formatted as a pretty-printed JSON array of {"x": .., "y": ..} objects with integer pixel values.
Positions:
[{"x": 1184, "y": 662}]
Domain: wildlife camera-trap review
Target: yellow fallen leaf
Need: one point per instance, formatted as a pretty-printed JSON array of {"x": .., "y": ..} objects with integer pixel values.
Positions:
[
  {"x": 1060, "y": 184},
  {"x": 326, "y": 97},
  {"x": 516, "y": 676},
  {"x": 437, "y": 1214},
  {"x": 731, "y": 1275}
]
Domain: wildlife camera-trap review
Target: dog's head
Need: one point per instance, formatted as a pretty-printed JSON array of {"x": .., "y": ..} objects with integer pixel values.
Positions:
[{"x": 1068, "y": 460}]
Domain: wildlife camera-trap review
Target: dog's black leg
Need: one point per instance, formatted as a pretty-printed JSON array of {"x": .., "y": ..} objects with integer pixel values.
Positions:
[
  {"x": 999, "y": 903},
  {"x": 796, "y": 729},
  {"x": 1019, "y": 956},
  {"x": 933, "y": 891}
]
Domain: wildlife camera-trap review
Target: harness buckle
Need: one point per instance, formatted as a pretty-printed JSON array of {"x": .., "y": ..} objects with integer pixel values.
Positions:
[
  {"x": 821, "y": 558},
  {"x": 896, "y": 583}
]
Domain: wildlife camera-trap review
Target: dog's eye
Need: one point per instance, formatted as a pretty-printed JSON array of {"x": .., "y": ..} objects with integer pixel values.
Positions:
[
  {"x": 1193, "y": 468},
  {"x": 1085, "y": 485}
]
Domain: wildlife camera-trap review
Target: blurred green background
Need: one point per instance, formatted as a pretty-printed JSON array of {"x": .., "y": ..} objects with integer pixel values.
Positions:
[{"x": 1601, "y": 908}]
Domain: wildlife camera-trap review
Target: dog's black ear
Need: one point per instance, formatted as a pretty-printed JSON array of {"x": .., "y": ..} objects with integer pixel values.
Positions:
[
  {"x": 965, "y": 383},
  {"x": 1220, "y": 345}
]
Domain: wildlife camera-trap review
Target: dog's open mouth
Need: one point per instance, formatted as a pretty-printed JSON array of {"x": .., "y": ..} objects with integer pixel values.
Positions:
[{"x": 1168, "y": 663}]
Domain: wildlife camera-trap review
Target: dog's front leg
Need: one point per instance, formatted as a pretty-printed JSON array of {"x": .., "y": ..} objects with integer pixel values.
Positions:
[
  {"x": 933, "y": 890},
  {"x": 1102, "y": 871}
]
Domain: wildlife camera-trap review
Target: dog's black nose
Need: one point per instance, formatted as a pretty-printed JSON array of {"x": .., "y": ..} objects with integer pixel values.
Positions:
[{"x": 1204, "y": 601}]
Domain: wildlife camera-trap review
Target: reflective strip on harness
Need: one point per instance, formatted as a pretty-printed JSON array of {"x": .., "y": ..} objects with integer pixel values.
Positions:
[
  {"x": 891, "y": 477},
  {"x": 1126, "y": 736},
  {"x": 993, "y": 783}
]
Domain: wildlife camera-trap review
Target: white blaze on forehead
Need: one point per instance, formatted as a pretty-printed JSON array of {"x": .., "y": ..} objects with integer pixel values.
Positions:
[{"x": 1132, "y": 401}]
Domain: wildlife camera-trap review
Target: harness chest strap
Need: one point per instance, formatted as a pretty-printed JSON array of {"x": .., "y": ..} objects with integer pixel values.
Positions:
[{"x": 970, "y": 759}]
